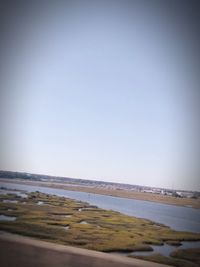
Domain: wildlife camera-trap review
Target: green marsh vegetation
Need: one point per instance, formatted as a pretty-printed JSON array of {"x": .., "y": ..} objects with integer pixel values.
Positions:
[{"x": 75, "y": 223}]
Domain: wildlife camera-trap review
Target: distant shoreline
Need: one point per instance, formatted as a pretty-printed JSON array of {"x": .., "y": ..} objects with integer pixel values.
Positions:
[{"x": 163, "y": 199}]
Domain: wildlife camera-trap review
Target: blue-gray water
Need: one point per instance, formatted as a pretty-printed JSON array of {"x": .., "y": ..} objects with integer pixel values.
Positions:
[
  {"x": 165, "y": 249},
  {"x": 178, "y": 218},
  {"x": 7, "y": 218}
]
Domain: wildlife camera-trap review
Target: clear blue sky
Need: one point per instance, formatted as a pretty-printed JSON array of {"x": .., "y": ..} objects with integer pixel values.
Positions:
[{"x": 100, "y": 91}]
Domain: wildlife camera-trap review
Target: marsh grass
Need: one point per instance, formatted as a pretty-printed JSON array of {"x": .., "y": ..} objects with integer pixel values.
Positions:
[
  {"x": 192, "y": 255},
  {"x": 179, "y": 261},
  {"x": 105, "y": 230}
]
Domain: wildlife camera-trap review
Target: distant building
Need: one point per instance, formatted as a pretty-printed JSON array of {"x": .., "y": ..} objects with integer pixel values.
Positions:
[{"x": 185, "y": 194}]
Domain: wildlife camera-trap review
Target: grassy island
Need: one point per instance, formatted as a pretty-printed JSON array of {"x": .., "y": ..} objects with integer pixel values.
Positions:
[{"x": 75, "y": 223}]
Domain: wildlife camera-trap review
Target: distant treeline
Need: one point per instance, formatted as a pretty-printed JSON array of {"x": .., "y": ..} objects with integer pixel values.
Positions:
[
  {"x": 39, "y": 177},
  {"x": 21, "y": 175},
  {"x": 42, "y": 177}
]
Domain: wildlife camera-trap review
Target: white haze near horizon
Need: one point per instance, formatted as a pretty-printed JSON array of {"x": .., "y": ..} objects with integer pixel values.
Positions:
[{"x": 99, "y": 92}]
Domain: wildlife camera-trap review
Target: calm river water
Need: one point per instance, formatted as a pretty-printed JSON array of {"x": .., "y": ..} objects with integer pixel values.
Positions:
[{"x": 178, "y": 218}]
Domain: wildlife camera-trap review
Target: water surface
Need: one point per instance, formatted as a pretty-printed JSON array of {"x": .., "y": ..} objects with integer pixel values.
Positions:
[
  {"x": 176, "y": 217},
  {"x": 166, "y": 249},
  {"x": 7, "y": 218}
]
